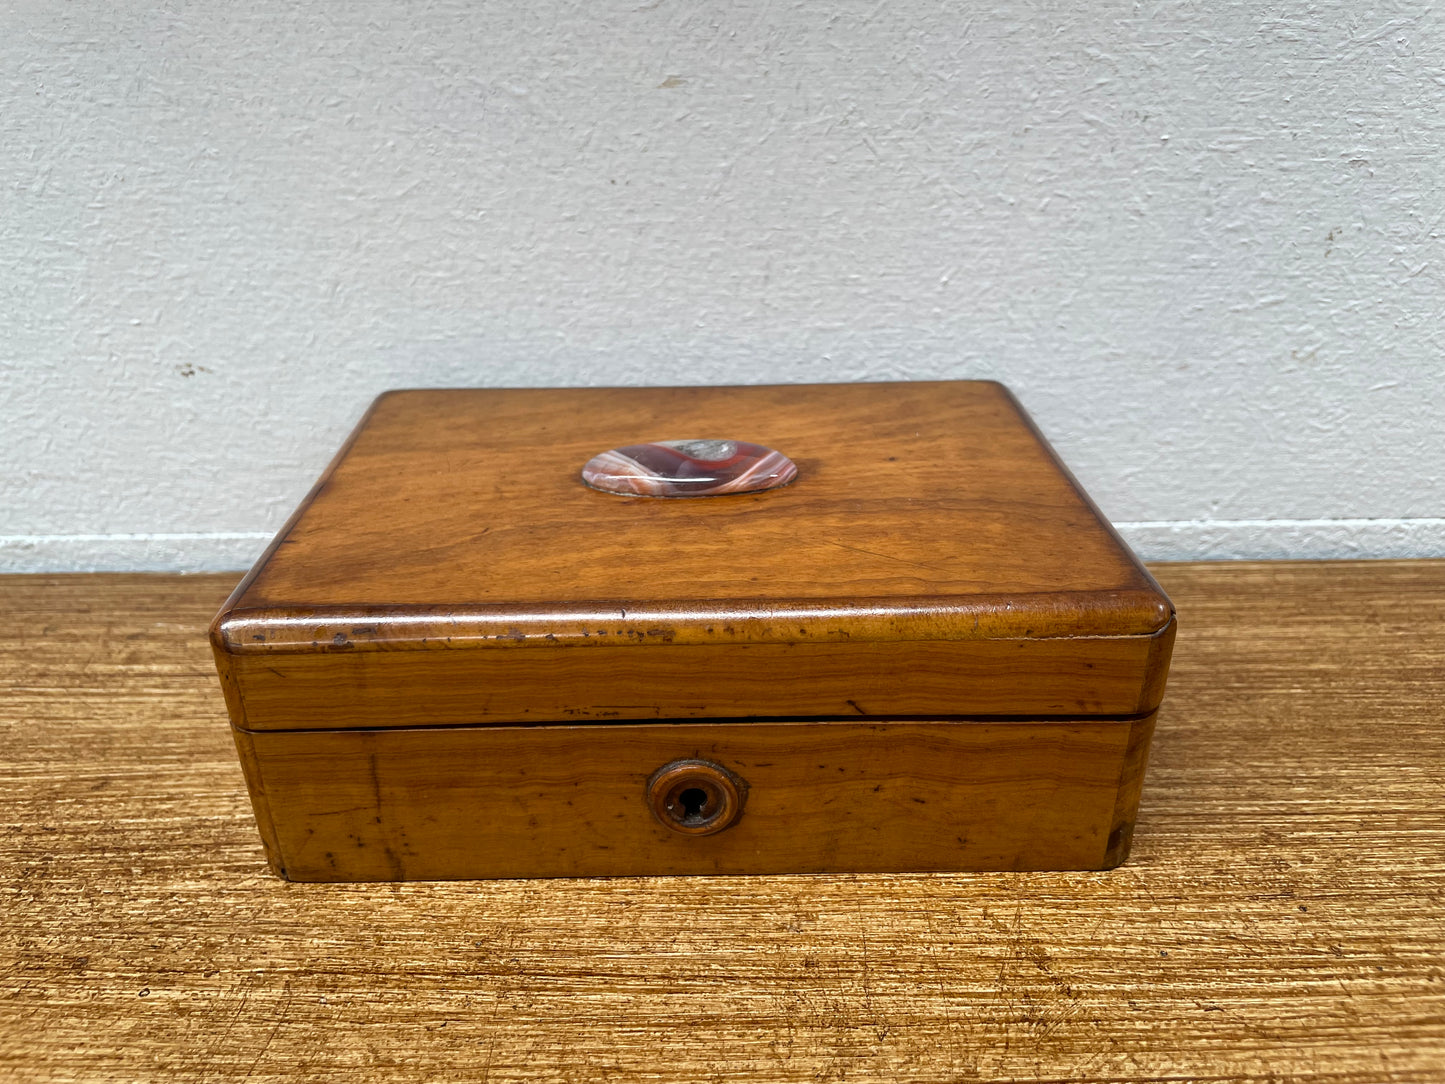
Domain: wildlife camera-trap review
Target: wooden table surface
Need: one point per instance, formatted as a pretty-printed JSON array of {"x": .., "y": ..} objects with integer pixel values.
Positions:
[{"x": 1282, "y": 917}]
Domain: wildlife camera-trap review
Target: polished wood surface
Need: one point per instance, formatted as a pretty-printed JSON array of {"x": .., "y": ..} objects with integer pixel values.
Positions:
[
  {"x": 933, "y": 558},
  {"x": 1085, "y": 676},
  {"x": 373, "y": 658},
  {"x": 1281, "y": 917},
  {"x": 459, "y": 498},
  {"x": 568, "y": 801}
]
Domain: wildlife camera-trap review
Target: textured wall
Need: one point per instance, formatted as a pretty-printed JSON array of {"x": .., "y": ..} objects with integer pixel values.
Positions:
[{"x": 1202, "y": 242}]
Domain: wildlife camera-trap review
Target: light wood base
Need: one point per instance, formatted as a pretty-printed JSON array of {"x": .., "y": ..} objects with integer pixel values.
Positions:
[{"x": 1281, "y": 917}]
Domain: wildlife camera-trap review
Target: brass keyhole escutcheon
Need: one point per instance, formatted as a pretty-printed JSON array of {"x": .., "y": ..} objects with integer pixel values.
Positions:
[{"x": 695, "y": 797}]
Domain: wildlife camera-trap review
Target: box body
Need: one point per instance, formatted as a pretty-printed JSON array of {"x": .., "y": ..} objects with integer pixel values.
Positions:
[{"x": 929, "y": 652}]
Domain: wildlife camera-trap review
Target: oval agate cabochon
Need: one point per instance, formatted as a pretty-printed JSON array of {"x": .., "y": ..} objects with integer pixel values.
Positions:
[{"x": 688, "y": 468}]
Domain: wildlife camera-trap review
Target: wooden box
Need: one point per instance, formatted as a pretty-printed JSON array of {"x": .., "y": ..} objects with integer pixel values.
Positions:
[{"x": 928, "y": 652}]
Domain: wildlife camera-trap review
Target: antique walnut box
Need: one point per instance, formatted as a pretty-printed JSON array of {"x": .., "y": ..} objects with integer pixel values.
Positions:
[{"x": 928, "y": 651}]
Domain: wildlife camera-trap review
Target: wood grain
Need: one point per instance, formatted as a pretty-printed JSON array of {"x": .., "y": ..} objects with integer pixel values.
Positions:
[
  {"x": 1076, "y": 676},
  {"x": 567, "y": 801},
  {"x": 1282, "y": 917},
  {"x": 933, "y": 558},
  {"x": 471, "y": 498}
]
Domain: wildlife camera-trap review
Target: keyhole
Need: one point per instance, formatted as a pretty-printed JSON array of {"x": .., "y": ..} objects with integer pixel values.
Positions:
[
  {"x": 694, "y": 803},
  {"x": 695, "y": 797}
]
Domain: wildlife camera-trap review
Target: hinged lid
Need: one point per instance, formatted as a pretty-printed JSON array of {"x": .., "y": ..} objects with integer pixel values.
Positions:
[{"x": 932, "y": 558}]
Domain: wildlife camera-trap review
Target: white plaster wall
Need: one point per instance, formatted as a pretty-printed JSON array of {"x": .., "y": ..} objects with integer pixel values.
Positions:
[{"x": 1203, "y": 242}]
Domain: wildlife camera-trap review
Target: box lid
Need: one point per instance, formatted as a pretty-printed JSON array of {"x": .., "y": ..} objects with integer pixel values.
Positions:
[{"x": 932, "y": 558}]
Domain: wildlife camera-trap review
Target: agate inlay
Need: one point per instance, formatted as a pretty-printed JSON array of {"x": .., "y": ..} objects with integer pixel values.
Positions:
[{"x": 688, "y": 468}]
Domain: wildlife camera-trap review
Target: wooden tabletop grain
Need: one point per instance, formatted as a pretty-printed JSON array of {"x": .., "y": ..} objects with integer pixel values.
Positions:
[{"x": 1282, "y": 917}]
